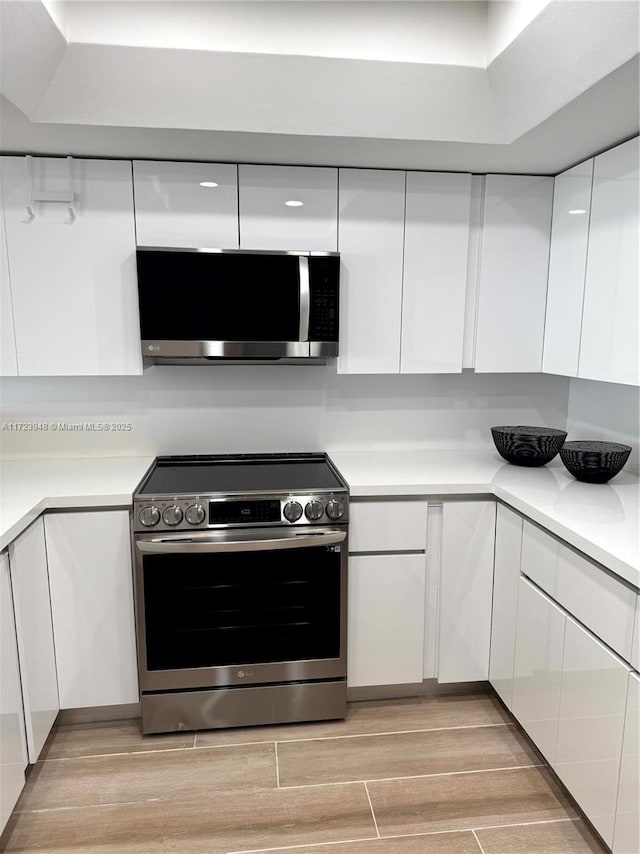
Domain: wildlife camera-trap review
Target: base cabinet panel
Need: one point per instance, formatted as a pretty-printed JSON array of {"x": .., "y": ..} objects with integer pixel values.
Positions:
[
  {"x": 32, "y": 602},
  {"x": 92, "y": 604},
  {"x": 386, "y": 619},
  {"x": 626, "y": 837},
  {"x": 591, "y": 724},
  {"x": 13, "y": 748},
  {"x": 537, "y": 675},
  {"x": 466, "y": 584},
  {"x": 506, "y": 572}
]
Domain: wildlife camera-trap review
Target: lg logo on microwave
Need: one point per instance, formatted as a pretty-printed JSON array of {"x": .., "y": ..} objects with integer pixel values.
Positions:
[
  {"x": 153, "y": 348},
  {"x": 242, "y": 674}
]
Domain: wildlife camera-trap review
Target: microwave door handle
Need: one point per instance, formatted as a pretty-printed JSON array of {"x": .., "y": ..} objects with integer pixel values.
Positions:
[
  {"x": 305, "y": 297},
  {"x": 177, "y": 546}
]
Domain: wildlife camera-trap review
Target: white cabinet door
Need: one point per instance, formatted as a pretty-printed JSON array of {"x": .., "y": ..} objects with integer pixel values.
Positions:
[
  {"x": 436, "y": 242},
  {"x": 592, "y": 709},
  {"x": 92, "y": 603},
  {"x": 186, "y": 204},
  {"x": 506, "y": 572},
  {"x": 537, "y": 674},
  {"x": 567, "y": 269},
  {"x": 513, "y": 273},
  {"x": 626, "y": 837},
  {"x": 8, "y": 357},
  {"x": 466, "y": 581},
  {"x": 609, "y": 347},
  {"x": 30, "y": 580},
  {"x": 269, "y": 220},
  {"x": 13, "y": 749},
  {"x": 386, "y": 620},
  {"x": 73, "y": 283},
  {"x": 371, "y": 242}
]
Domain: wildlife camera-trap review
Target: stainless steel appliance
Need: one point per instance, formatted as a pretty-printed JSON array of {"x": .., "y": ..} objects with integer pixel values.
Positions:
[
  {"x": 240, "y": 576},
  {"x": 204, "y": 305}
]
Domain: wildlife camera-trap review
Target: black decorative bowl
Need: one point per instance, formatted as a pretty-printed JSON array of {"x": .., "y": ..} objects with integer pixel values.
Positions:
[
  {"x": 594, "y": 462},
  {"x": 528, "y": 446}
]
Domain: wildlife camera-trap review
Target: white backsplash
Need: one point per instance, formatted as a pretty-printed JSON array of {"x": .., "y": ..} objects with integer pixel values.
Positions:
[
  {"x": 607, "y": 412},
  {"x": 174, "y": 410}
]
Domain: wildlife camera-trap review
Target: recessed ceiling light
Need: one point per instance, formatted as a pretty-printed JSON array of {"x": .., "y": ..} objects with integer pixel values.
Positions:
[
  {"x": 293, "y": 203},
  {"x": 208, "y": 184},
  {"x": 578, "y": 211}
]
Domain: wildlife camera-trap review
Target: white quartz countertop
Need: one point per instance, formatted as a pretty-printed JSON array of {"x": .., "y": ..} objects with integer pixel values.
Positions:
[
  {"x": 27, "y": 487},
  {"x": 600, "y": 520}
]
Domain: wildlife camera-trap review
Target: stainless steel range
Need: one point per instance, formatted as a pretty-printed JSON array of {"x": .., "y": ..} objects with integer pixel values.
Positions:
[{"x": 241, "y": 590}]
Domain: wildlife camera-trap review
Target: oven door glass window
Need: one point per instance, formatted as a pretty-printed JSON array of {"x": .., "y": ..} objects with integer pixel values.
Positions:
[{"x": 226, "y": 609}]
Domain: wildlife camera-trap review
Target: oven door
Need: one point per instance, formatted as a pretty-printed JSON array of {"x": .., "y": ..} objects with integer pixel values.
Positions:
[{"x": 222, "y": 608}]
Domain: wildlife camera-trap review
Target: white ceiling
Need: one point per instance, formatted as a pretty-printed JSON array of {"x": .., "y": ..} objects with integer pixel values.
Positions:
[{"x": 500, "y": 86}]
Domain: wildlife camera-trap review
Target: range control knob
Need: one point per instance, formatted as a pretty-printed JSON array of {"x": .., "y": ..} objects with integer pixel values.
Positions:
[
  {"x": 292, "y": 511},
  {"x": 172, "y": 515},
  {"x": 313, "y": 511},
  {"x": 149, "y": 516},
  {"x": 335, "y": 509},
  {"x": 195, "y": 514}
]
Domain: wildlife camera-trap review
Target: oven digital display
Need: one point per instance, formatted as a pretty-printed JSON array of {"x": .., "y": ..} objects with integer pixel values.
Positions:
[{"x": 239, "y": 512}]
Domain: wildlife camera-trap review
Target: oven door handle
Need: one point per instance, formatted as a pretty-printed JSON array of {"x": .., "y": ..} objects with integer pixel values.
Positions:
[{"x": 193, "y": 546}]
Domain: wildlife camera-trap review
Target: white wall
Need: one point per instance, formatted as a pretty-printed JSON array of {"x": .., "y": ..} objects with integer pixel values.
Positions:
[
  {"x": 606, "y": 412},
  {"x": 176, "y": 410}
]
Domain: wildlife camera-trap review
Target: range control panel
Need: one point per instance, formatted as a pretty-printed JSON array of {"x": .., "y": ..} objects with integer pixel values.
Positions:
[{"x": 198, "y": 513}]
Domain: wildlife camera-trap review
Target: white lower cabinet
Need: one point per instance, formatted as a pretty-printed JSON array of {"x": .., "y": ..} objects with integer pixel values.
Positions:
[
  {"x": 92, "y": 603},
  {"x": 386, "y": 619},
  {"x": 466, "y": 586},
  {"x": 506, "y": 572},
  {"x": 30, "y": 581},
  {"x": 537, "y": 674},
  {"x": 591, "y": 723},
  {"x": 626, "y": 837},
  {"x": 13, "y": 748}
]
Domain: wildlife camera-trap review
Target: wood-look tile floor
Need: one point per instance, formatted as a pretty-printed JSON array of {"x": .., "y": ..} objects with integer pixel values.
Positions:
[{"x": 438, "y": 775}]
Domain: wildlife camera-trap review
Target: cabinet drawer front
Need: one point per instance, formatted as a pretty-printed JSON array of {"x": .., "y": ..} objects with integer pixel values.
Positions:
[
  {"x": 606, "y": 606},
  {"x": 388, "y": 526}
]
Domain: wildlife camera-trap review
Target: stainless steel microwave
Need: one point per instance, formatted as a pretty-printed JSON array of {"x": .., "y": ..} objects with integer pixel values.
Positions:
[{"x": 205, "y": 305}]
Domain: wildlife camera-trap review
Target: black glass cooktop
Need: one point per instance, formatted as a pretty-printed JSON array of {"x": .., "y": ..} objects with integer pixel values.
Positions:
[{"x": 239, "y": 473}]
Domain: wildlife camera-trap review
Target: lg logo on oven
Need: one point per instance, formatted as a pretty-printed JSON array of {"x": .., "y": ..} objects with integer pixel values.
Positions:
[{"x": 242, "y": 674}]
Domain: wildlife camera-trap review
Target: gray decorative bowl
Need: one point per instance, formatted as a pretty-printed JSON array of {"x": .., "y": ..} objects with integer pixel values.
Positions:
[
  {"x": 528, "y": 446},
  {"x": 594, "y": 462}
]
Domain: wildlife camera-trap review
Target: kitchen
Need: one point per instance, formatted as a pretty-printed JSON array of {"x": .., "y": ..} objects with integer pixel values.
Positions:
[{"x": 437, "y": 520}]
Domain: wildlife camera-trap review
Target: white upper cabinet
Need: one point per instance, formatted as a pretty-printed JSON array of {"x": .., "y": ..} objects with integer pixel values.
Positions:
[
  {"x": 32, "y": 603},
  {"x": 371, "y": 250},
  {"x": 567, "y": 269},
  {"x": 435, "y": 272},
  {"x": 186, "y": 204},
  {"x": 609, "y": 347},
  {"x": 71, "y": 248},
  {"x": 8, "y": 357},
  {"x": 288, "y": 207},
  {"x": 513, "y": 273}
]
